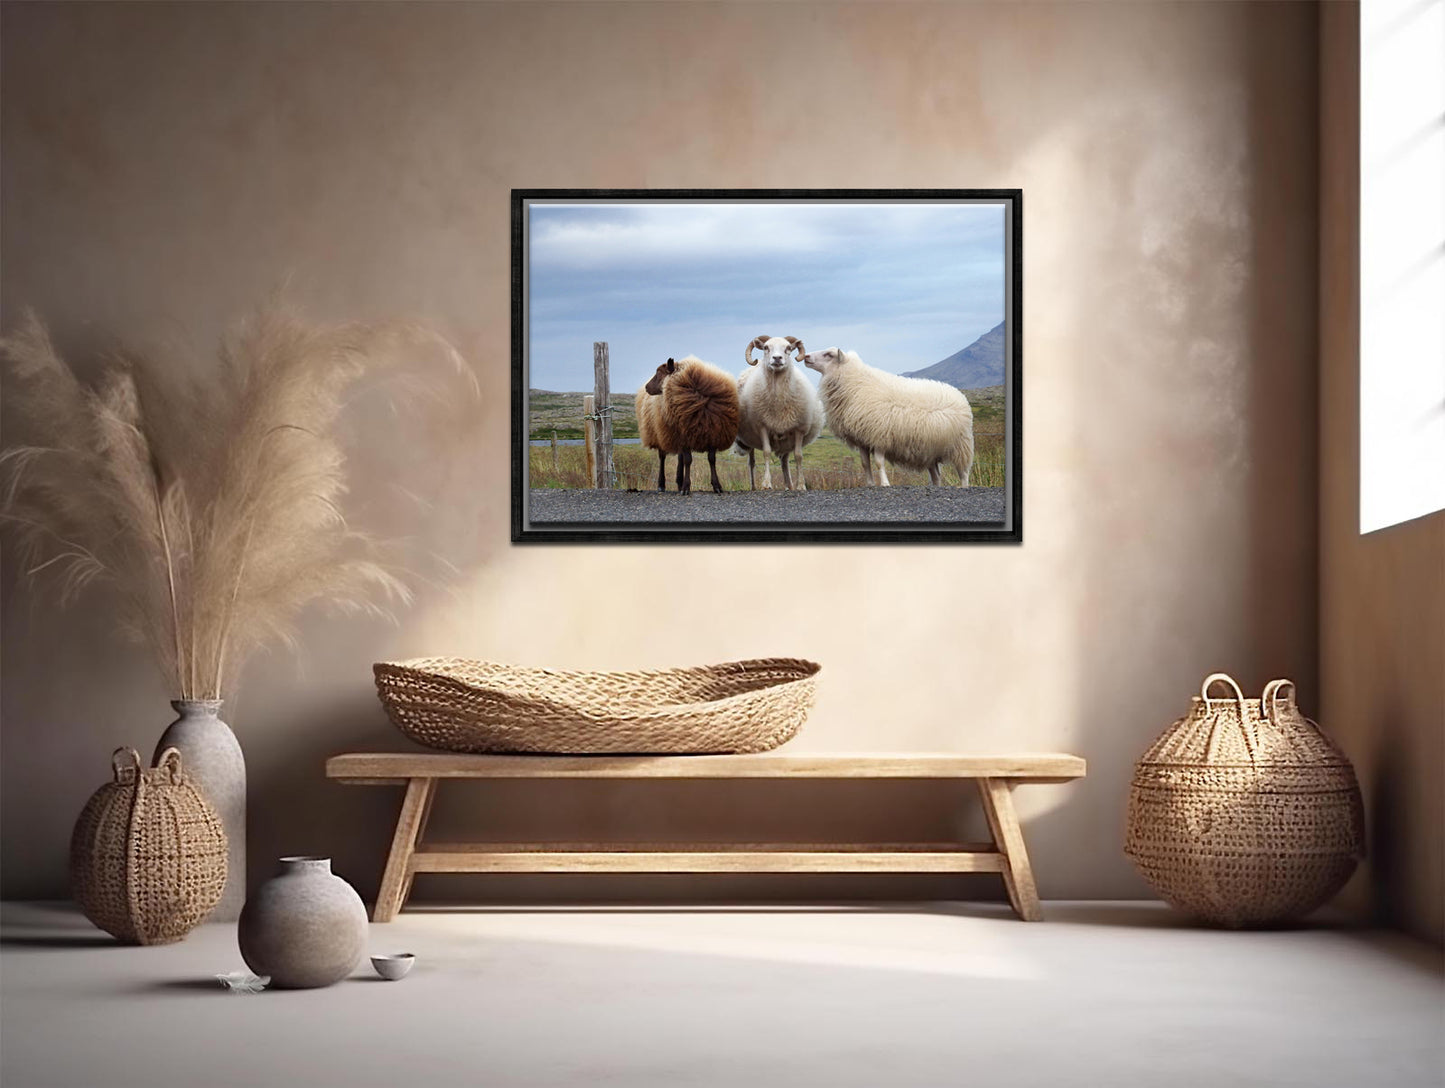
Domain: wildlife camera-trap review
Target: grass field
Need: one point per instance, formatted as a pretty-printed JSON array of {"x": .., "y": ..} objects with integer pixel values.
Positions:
[
  {"x": 562, "y": 412},
  {"x": 987, "y": 403},
  {"x": 827, "y": 464}
]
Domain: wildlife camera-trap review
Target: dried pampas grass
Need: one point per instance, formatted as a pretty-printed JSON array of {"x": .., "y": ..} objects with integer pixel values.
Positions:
[{"x": 212, "y": 506}]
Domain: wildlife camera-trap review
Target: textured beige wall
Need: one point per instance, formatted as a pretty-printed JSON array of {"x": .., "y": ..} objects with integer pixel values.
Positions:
[
  {"x": 1382, "y": 595},
  {"x": 164, "y": 166}
]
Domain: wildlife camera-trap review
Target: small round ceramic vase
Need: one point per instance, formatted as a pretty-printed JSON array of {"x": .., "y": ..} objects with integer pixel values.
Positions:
[{"x": 305, "y": 927}]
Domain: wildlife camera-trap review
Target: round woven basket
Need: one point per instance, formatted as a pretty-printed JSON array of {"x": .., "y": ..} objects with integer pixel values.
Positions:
[
  {"x": 1243, "y": 813},
  {"x": 479, "y": 706},
  {"x": 148, "y": 855}
]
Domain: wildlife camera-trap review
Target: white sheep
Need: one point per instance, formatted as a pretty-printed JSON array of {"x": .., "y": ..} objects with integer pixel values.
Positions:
[
  {"x": 781, "y": 412},
  {"x": 910, "y": 421}
]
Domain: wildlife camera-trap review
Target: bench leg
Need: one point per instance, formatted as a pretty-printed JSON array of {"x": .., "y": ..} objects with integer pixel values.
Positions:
[
  {"x": 396, "y": 880},
  {"x": 431, "y": 795},
  {"x": 1008, "y": 837}
]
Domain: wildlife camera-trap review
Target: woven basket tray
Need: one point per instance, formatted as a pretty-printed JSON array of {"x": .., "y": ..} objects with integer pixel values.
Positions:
[{"x": 478, "y": 706}]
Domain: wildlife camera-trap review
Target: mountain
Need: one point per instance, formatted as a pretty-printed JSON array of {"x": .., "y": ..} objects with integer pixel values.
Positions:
[{"x": 979, "y": 364}]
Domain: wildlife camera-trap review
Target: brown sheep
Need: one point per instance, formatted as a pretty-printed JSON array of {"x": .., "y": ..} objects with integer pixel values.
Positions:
[
  {"x": 688, "y": 405},
  {"x": 655, "y": 432}
]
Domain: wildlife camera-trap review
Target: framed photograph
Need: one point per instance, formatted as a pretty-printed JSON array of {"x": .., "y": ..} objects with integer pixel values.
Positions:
[{"x": 767, "y": 365}]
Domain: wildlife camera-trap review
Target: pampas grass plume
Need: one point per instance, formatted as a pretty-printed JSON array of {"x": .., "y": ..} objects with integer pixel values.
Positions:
[{"x": 212, "y": 505}]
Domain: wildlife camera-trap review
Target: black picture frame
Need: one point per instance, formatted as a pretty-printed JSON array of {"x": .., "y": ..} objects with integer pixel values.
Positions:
[{"x": 1008, "y": 532}]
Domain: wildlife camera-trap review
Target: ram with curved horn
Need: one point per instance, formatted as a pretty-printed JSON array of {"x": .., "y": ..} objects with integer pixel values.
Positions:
[
  {"x": 781, "y": 412},
  {"x": 766, "y": 342}
]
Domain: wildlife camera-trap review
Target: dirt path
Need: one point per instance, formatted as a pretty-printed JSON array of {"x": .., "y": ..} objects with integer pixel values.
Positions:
[{"x": 979, "y": 505}]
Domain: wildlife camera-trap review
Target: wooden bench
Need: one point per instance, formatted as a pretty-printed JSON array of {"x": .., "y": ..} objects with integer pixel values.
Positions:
[{"x": 420, "y": 772}]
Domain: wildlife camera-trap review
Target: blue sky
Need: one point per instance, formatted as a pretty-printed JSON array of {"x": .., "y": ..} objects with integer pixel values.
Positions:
[{"x": 904, "y": 285}]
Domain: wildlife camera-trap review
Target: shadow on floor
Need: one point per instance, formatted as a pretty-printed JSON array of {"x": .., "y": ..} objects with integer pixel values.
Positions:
[
  {"x": 1126, "y": 915},
  {"x": 960, "y": 909},
  {"x": 76, "y": 940},
  {"x": 182, "y": 985},
  {"x": 1155, "y": 915},
  {"x": 1410, "y": 951}
]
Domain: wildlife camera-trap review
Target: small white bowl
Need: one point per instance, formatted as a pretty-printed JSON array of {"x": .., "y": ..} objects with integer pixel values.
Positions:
[{"x": 393, "y": 966}]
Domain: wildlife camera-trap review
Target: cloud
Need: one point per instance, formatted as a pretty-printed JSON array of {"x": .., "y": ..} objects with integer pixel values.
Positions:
[
  {"x": 675, "y": 234},
  {"x": 913, "y": 281}
]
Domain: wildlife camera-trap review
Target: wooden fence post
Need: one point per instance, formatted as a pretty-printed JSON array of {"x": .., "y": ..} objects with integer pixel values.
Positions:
[
  {"x": 606, "y": 476},
  {"x": 589, "y": 439}
]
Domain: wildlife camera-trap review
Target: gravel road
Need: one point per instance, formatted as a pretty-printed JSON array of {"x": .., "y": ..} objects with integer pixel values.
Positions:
[{"x": 979, "y": 505}]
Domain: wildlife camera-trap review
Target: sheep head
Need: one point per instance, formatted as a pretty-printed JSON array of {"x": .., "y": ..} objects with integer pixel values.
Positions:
[
  {"x": 775, "y": 350},
  {"x": 654, "y": 384},
  {"x": 824, "y": 361}
]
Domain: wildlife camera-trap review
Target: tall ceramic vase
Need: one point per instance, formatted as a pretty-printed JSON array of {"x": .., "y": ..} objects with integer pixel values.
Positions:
[{"x": 214, "y": 763}]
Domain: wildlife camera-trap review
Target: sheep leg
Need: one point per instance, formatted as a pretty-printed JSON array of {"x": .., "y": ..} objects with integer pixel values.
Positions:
[
  {"x": 712, "y": 464},
  {"x": 682, "y": 471},
  {"x": 787, "y": 477},
  {"x": 882, "y": 469},
  {"x": 767, "y": 463},
  {"x": 752, "y": 470},
  {"x": 935, "y": 474},
  {"x": 867, "y": 456},
  {"x": 798, "y": 463},
  {"x": 965, "y": 469},
  {"x": 661, "y": 471}
]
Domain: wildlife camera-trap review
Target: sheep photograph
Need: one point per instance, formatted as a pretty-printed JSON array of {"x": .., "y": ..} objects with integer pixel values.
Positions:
[{"x": 835, "y": 365}]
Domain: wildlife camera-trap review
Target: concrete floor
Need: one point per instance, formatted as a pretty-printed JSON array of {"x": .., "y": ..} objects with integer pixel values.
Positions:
[{"x": 1101, "y": 994}]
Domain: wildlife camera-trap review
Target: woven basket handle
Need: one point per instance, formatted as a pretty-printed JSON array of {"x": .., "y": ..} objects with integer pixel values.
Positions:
[
  {"x": 1245, "y": 729},
  {"x": 1221, "y": 678},
  {"x": 1270, "y": 697},
  {"x": 127, "y": 769},
  {"x": 170, "y": 761}
]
